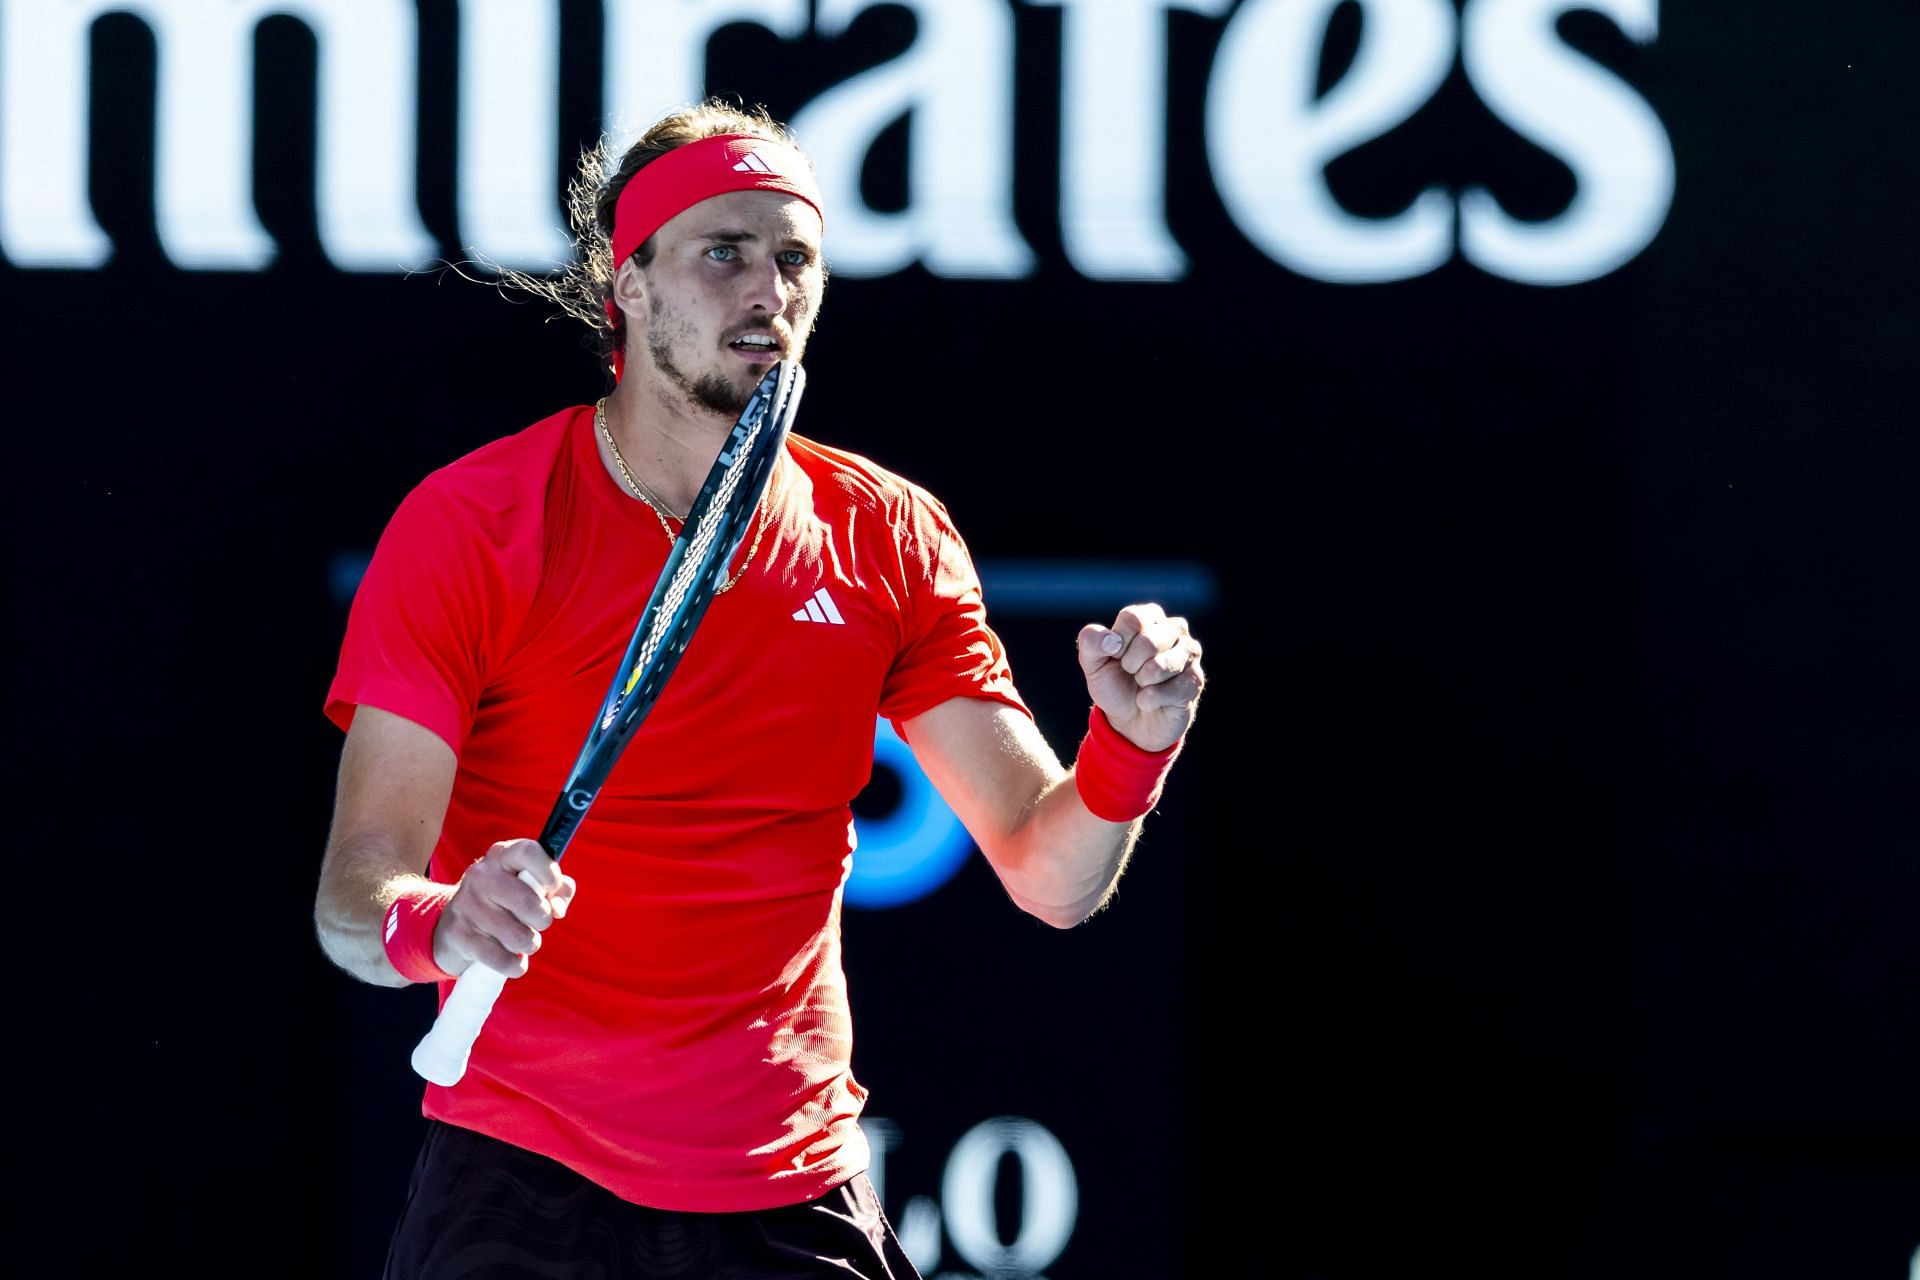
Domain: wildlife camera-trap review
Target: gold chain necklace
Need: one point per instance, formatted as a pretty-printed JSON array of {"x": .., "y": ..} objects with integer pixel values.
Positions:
[{"x": 658, "y": 505}]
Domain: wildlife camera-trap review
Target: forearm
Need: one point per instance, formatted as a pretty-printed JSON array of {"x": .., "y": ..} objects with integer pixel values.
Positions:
[
  {"x": 395, "y": 777},
  {"x": 357, "y": 885},
  {"x": 1061, "y": 863},
  {"x": 1039, "y": 825}
]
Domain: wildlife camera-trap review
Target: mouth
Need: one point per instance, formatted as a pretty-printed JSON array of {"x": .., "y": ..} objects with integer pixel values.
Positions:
[{"x": 761, "y": 346}]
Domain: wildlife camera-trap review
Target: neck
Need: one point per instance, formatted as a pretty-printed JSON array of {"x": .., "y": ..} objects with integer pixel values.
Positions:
[{"x": 668, "y": 443}]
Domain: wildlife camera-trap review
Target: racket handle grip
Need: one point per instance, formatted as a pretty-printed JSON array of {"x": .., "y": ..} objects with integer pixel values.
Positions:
[{"x": 441, "y": 1055}]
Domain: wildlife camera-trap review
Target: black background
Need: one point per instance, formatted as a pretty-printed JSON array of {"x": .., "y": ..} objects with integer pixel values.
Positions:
[{"x": 1535, "y": 899}]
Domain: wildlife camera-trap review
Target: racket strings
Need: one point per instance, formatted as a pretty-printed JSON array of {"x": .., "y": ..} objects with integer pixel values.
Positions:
[{"x": 693, "y": 563}]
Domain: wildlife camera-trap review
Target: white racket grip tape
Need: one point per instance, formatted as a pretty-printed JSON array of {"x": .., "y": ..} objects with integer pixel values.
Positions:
[{"x": 441, "y": 1055}]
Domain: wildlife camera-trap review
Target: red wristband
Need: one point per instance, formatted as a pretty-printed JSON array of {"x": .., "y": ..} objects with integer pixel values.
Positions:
[
  {"x": 408, "y": 934},
  {"x": 1117, "y": 780}
]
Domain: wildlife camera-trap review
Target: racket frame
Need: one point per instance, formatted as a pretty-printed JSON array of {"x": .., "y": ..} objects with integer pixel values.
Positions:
[{"x": 728, "y": 499}]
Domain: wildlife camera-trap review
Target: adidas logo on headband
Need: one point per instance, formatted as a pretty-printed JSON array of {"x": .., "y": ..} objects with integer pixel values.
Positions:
[{"x": 753, "y": 163}]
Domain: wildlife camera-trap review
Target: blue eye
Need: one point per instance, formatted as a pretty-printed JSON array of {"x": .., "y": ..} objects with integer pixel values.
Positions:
[{"x": 722, "y": 253}]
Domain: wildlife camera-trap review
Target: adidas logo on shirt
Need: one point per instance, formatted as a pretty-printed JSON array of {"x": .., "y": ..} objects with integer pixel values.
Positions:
[
  {"x": 753, "y": 163},
  {"x": 820, "y": 609}
]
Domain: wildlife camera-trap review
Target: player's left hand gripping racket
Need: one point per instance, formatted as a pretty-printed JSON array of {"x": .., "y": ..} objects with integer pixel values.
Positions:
[{"x": 695, "y": 568}]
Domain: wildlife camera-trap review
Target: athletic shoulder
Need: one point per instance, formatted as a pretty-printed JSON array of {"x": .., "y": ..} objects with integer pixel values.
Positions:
[
  {"x": 845, "y": 476},
  {"x": 499, "y": 491}
]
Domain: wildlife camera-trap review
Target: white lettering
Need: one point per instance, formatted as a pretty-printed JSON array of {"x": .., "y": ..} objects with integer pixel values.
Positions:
[
  {"x": 367, "y": 216},
  {"x": 1270, "y": 135},
  {"x": 1049, "y": 1203},
  {"x": 656, "y": 52},
  {"x": 509, "y": 144},
  {"x": 1270, "y": 141},
  {"x": 918, "y": 1226},
  {"x": 918, "y": 1230},
  {"x": 1616, "y": 146},
  {"x": 1114, "y": 136},
  {"x": 955, "y": 86},
  {"x": 45, "y": 220},
  {"x": 882, "y": 1137}
]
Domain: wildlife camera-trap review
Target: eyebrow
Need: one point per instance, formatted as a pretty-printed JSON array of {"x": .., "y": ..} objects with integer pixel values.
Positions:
[{"x": 732, "y": 236}]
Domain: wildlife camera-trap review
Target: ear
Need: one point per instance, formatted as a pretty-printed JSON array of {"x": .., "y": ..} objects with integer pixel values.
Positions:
[{"x": 629, "y": 290}]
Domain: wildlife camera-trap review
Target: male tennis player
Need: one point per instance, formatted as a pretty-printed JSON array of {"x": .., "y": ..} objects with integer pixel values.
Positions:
[{"x": 665, "y": 1088}]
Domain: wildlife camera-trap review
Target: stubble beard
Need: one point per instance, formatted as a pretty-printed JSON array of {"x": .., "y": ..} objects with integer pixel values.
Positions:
[{"x": 710, "y": 391}]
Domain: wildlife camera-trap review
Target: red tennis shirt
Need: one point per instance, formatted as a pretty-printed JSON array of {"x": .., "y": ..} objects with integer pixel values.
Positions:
[{"x": 682, "y": 1038}]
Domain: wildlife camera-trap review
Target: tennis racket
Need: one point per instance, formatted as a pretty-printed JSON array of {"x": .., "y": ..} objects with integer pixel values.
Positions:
[{"x": 696, "y": 566}]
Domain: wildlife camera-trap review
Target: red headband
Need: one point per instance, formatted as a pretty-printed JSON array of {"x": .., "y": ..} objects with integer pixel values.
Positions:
[
  {"x": 686, "y": 175},
  {"x": 681, "y": 178}
]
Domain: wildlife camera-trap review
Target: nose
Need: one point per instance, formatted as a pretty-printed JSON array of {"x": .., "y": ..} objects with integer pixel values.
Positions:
[{"x": 767, "y": 286}]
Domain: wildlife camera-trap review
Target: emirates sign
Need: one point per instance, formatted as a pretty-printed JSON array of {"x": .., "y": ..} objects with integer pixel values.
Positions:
[{"x": 1270, "y": 132}]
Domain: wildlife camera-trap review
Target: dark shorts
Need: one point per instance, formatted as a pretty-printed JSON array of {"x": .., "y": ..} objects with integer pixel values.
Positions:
[{"x": 479, "y": 1207}]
